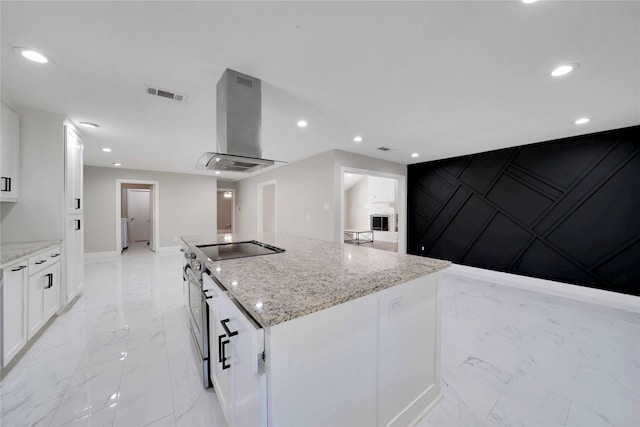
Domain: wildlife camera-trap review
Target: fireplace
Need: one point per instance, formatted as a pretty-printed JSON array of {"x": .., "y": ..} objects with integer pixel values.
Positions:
[{"x": 380, "y": 222}]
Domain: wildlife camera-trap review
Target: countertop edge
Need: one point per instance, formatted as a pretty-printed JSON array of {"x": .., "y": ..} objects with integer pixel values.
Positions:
[{"x": 23, "y": 250}]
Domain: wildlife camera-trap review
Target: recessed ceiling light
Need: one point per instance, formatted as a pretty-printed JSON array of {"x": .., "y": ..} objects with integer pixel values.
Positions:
[
  {"x": 217, "y": 172},
  {"x": 414, "y": 155},
  {"x": 31, "y": 55},
  {"x": 529, "y": 1},
  {"x": 106, "y": 150},
  {"x": 563, "y": 69},
  {"x": 302, "y": 123},
  {"x": 582, "y": 120},
  {"x": 357, "y": 139},
  {"x": 348, "y": 175},
  {"x": 89, "y": 125},
  {"x": 117, "y": 164}
]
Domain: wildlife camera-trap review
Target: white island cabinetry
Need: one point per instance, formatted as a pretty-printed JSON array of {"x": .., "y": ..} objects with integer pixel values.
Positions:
[
  {"x": 237, "y": 373},
  {"x": 371, "y": 361},
  {"x": 323, "y": 334}
]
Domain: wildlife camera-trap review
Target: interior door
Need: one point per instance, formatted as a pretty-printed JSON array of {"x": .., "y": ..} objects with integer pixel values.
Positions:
[
  {"x": 267, "y": 207},
  {"x": 139, "y": 215},
  {"x": 152, "y": 223}
]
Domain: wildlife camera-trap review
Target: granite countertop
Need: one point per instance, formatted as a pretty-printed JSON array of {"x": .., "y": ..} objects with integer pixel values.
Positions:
[
  {"x": 10, "y": 252},
  {"x": 311, "y": 275}
]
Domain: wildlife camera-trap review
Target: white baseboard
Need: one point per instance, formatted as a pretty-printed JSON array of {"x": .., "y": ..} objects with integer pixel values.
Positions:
[
  {"x": 168, "y": 249},
  {"x": 580, "y": 293},
  {"x": 96, "y": 255}
]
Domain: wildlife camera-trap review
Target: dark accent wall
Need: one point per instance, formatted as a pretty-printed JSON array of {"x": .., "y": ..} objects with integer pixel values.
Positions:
[{"x": 566, "y": 210}]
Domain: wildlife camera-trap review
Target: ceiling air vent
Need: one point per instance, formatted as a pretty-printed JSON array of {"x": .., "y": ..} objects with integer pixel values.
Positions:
[
  {"x": 384, "y": 148},
  {"x": 166, "y": 94}
]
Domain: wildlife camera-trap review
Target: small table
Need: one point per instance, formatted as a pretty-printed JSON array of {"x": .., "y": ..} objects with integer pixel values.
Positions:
[{"x": 358, "y": 236}]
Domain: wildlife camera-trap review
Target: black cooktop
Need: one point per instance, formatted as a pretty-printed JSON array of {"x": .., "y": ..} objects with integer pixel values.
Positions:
[{"x": 221, "y": 251}]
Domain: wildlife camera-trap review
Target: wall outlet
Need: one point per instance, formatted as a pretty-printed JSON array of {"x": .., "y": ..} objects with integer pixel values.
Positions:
[
  {"x": 175, "y": 238},
  {"x": 308, "y": 217},
  {"x": 327, "y": 206},
  {"x": 423, "y": 248},
  {"x": 395, "y": 304}
]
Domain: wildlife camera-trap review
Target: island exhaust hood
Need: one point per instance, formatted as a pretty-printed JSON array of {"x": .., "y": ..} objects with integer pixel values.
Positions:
[{"x": 239, "y": 126}]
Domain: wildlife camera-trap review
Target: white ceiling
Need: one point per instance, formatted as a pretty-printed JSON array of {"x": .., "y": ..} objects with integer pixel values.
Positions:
[{"x": 438, "y": 78}]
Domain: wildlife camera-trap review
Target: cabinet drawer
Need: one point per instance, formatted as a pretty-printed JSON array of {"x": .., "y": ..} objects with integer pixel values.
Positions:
[{"x": 44, "y": 259}]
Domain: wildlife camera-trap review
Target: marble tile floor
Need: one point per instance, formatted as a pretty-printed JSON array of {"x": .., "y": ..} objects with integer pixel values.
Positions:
[
  {"x": 378, "y": 244},
  {"x": 121, "y": 356}
]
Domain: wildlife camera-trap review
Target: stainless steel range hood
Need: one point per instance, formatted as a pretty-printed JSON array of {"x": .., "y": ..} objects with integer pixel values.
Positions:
[{"x": 239, "y": 126}]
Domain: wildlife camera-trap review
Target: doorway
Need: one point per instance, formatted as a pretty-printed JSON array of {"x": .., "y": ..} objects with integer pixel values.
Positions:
[
  {"x": 226, "y": 211},
  {"x": 267, "y": 207},
  {"x": 137, "y": 215},
  {"x": 373, "y": 211}
]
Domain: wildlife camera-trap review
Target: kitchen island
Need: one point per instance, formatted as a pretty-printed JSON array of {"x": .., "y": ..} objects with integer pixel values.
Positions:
[{"x": 322, "y": 334}]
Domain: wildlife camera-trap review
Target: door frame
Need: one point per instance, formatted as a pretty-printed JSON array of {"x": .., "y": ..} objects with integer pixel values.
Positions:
[
  {"x": 261, "y": 186},
  {"x": 233, "y": 208},
  {"x": 154, "y": 215},
  {"x": 401, "y": 203}
]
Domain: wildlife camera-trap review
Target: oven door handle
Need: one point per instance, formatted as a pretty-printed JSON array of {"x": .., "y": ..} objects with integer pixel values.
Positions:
[{"x": 190, "y": 275}]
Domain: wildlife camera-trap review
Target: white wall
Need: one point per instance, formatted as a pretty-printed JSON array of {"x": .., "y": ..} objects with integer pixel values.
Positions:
[
  {"x": 187, "y": 205},
  {"x": 308, "y": 194},
  {"x": 356, "y": 201},
  {"x": 38, "y": 213},
  {"x": 302, "y": 188}
]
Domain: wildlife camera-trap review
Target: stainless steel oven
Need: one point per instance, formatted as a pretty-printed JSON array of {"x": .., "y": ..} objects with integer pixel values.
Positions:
[
  {"x": 192, "y": 273},
  {"x": 198, "y": 314}
]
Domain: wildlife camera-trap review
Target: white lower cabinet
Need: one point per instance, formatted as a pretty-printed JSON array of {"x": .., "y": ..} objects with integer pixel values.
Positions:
[
  {"x": 43, "y": 289},
  {"x": 74, "y": 256},
  {"x": 237, "y": 374},
  {"x": 14, "y": 310},
  {"x": 371, "y": 361},
  {"x": 30, "y": 297}
]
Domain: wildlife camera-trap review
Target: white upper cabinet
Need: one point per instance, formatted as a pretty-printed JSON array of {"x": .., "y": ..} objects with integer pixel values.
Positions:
[
  {"x": 73, "y": 171},
  {"x": 9, "y": 152}
]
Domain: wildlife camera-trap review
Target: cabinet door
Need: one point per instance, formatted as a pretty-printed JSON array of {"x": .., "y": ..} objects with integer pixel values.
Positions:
[
  {"x": 51, "y": 292},
  {"x": 14, "y": 310},
  {"x": 74, "y": 254},
  {"x": 73, "y": 172},
  {"x": 9, "y": 149},
  {"x": 247, "y": 378},
  {"x": 219, "y": 376},
  {"x": 35, "y": 303}
]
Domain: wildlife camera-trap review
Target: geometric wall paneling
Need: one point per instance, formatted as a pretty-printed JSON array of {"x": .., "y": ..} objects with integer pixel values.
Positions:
[
  {"x": 622, "y": 268},
  {"x": 614, "y": 206},
  {"x": 544, "y": 160},
  {"x": 519, "y": 199},
  {"x": 604, "y": 167},
  {"x": 557, "y": 266},
  {"x": 463, "y": 228},
  {"x": 498, "y": 245},
  {"x": 443, "y": 217},
  {"x": 481, "y": 171},
  {"x": 565, "y": 210}
]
